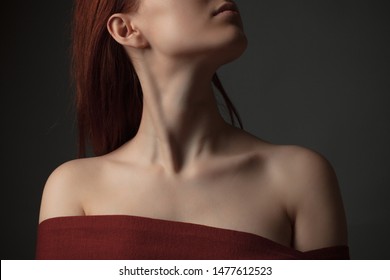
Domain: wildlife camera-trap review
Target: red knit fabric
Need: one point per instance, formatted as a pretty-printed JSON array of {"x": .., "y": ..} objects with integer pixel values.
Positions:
[{"x": 131, "y": 237}]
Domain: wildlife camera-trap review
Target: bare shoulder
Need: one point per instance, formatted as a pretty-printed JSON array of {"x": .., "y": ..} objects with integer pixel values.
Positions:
[
  {"x": 64, "y": 189},
  {"x": 302, "y": 163},
  {"x": 311, "y": 194}
]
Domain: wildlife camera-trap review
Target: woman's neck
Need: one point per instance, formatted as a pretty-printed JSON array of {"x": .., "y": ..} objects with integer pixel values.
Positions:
[{"x": 181, "y": 121}]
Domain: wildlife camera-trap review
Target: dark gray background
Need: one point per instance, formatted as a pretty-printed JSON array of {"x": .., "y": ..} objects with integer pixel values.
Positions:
[{"x": 316, "y": 74}]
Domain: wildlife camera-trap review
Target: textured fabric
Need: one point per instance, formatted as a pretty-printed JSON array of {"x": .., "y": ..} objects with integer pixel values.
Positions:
[{"x": 131, "y": 237}]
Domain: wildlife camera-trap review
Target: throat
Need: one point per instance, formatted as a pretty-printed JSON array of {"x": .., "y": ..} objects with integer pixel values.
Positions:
[
  {"x": 174, "y": 135},
  {"x": 176, "y": 150},
  {"x": 180, "y": 119}
]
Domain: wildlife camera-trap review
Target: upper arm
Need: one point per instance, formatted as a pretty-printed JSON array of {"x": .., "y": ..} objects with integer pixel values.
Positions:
[
  {"x": 62, "y": 193},
  {"x": 315, "y": 202}
]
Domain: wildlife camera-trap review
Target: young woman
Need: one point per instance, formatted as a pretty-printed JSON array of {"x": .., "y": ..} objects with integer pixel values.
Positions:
[{"x": 171, "y": 179}]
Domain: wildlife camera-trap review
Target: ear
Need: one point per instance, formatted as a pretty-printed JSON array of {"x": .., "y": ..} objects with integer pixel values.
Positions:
[{"x": 122, "y": 30}]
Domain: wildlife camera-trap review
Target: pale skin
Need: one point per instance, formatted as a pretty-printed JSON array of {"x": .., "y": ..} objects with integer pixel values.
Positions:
[{"x": 186, "y": 163}]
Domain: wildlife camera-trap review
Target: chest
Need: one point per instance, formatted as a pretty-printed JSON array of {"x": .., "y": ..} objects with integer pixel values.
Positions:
[{"x": 242, "y": 202}]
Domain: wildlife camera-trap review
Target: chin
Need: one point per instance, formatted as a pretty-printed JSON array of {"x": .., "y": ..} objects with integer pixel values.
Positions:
[{"x": 232, "y": 49}]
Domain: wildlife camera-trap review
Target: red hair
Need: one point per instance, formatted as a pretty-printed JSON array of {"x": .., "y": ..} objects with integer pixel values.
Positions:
[{"x": 109, "y": 97}]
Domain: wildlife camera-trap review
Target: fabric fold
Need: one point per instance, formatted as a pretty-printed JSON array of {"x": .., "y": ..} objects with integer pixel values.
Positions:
[{"x": 113, "y": 237}]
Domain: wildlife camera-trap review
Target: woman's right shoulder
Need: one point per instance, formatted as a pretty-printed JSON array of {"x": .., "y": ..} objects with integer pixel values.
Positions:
[{"x": 65, "y": 187}]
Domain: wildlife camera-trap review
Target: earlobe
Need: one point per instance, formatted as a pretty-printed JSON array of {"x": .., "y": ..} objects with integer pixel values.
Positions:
[{"x": 121, "y": 29}]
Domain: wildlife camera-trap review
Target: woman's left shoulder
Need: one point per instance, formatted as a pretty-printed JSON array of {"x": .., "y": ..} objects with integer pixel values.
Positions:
[
  {"x": 301, "y": 161},
  {"x": 311, "y": 194}
]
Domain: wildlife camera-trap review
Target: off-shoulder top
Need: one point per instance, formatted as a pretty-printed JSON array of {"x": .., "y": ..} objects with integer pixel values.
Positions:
[{"x": 113, "y": 237}]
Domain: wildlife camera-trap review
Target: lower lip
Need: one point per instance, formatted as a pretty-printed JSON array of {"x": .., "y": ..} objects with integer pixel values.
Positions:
[{"x": 227, "y": 12}]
